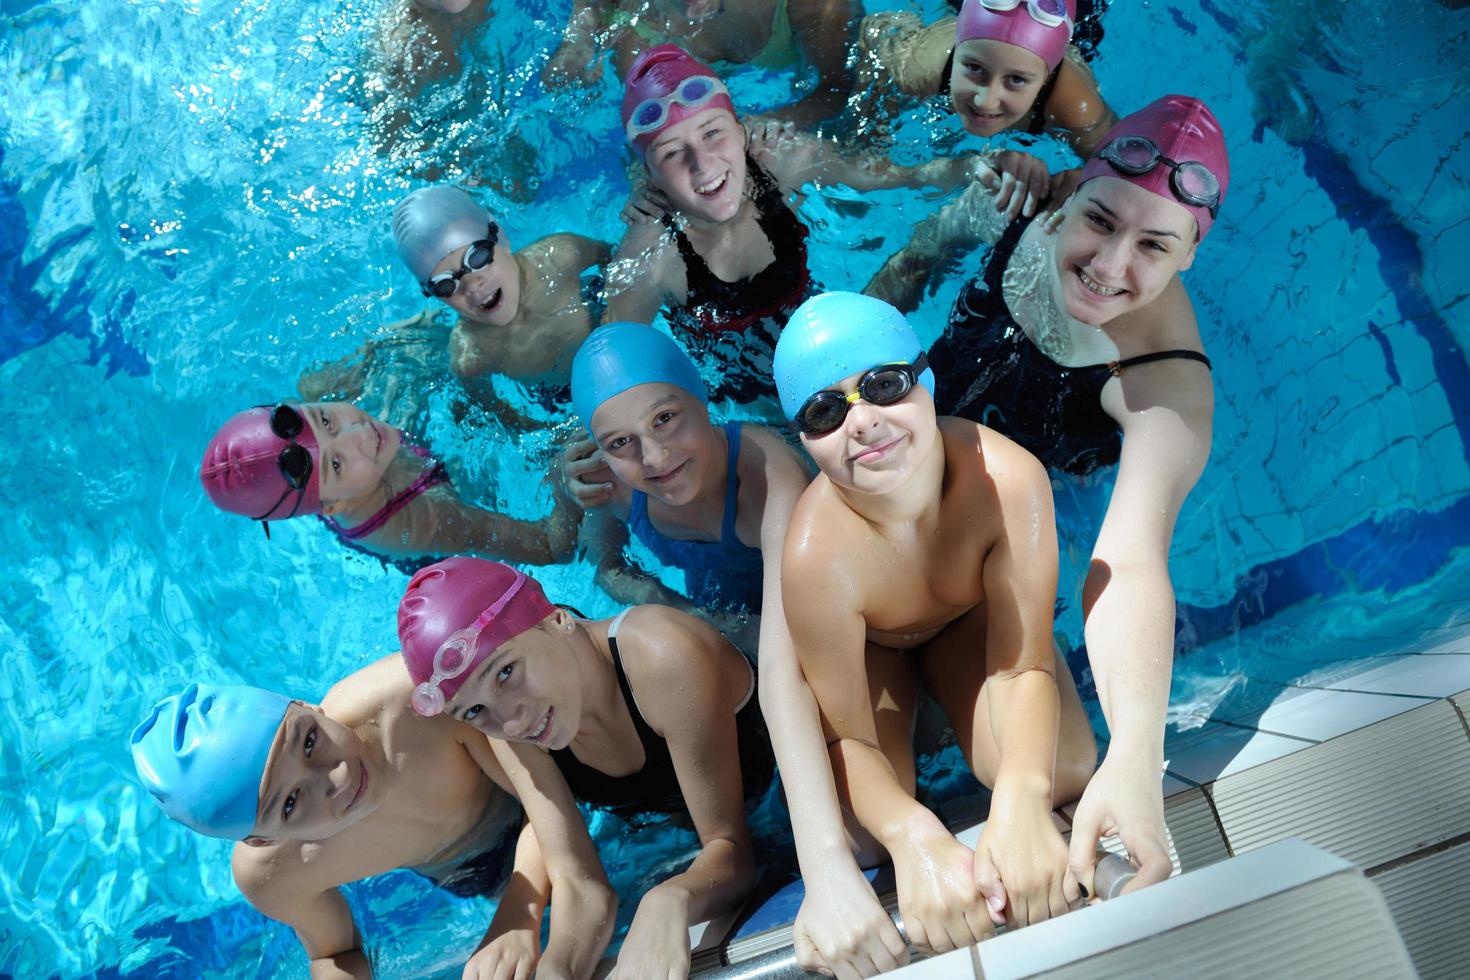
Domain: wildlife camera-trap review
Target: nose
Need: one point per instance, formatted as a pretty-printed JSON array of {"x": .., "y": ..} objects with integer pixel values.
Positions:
[
  {"x": 1110, "y": 259},
  {"x": 339, "y": 778},
  {"x": 984, "y": 99},
  {"x": 698, "y": 160},
  {"x": 514, "y": 719},
  {"x": 654, "y": 454},
  {"x": 861, "y": 417}
]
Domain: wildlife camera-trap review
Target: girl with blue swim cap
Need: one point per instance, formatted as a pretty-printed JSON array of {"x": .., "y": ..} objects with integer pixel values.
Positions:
[
  {"x": 320, "y": 796},
  {"x": 925, "y": 551},
  {"x": 714, "y": 501}
]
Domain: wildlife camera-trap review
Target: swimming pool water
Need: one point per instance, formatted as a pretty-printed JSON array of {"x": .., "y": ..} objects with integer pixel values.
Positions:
[{"x": 195, "y": 210}]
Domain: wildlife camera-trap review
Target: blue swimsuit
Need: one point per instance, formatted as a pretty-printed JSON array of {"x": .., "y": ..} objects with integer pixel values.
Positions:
[{"x": 722, "y": 574}]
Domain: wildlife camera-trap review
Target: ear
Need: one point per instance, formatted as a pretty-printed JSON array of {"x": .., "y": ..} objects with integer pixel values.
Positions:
[
  {"x": 334, "y": 507},
  {"x": 564, "y": 619},
  {"x": 253, "y": 841},
  {"x": 1189, "y": 256}
]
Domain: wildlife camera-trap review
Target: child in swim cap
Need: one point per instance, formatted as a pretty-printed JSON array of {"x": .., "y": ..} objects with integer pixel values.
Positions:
[
  {"x": 319, "y": 796},
  {"x": 375, "y": 489},
  {"x": 924, "y": 551},
  {"x": 1091, "y": 357},
  {"x": 1002, "y": 65},
  {"x": 714, "y": 501},
  {"x": 727, "y": 303},
  {"x": 601, "y": 708},
  {"x": 769, "y": 34},
  {"x": 521, "y": 313}
]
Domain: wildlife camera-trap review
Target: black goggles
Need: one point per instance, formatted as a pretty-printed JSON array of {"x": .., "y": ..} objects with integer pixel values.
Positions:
[
  {"x": 1191, "y": 181},
  {"x": 478, "y": 255},
  {"x": 294, "y": 459},
  {"x": 883, "y": 385}
]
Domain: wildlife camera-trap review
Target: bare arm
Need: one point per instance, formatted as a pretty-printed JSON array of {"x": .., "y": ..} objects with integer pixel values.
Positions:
[
  {"x": 636, "y": 286},
  {"x": 1076, "y": 109},
  {"x": 798, "y": 158},
  {"x": 1128, "y": 603},
  {"x": 573, "y": 62},
  {"x": 961, "y": 225},
  {"x": 841, "y": 923},
  {"x": 440, "y": 523},
  {"x": 320, "y": 917}
]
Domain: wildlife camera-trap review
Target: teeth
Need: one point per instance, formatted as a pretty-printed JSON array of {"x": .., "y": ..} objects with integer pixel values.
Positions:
[
  {"x": 546, "y": 720},
  {"x": 712, "y": 186},
  {"x": 1096, "y": 287}
]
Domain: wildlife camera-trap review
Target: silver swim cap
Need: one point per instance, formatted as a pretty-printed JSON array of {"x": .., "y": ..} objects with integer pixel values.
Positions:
[{"x": 434, "y": 221}]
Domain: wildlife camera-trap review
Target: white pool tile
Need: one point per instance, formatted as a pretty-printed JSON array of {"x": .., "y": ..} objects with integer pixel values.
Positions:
[
  {"x": 1453, "y": 644},
  {"x": 1324, "y": 714},
  {"x": 1216, "y": 750},
  {"x": 1434, "y": 675}
]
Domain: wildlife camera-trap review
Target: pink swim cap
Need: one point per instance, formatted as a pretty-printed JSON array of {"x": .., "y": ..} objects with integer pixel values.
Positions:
[
  {"x": 242, "y": 474},
  {"x": 1043, "y": 27},
  {"x": 1184, "y": 130},
  {"x": 449, "y": 596},
  {"x": 658, "y": 72}
]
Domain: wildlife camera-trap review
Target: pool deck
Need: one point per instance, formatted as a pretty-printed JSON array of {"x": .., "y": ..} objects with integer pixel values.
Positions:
[{"x": 1372, "y": 769}]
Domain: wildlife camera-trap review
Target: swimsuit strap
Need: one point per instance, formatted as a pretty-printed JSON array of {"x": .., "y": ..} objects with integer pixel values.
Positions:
[
  {"x": 1116, "y": 368},
  {"x": 432, "y": 476},
  {"x": 728, "y": 535},
  {"x": 646, "y": 735}
]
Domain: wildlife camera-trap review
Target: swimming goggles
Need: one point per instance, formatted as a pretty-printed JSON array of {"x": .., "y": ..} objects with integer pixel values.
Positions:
[
  {"x": 1049, "y": 13},
  {"x": 694, "y": 92},
  {"x": 456, "y": 654},
  {"x": 294, "y": 460},
  {"x": 887, "y": 383},
  {"x": 478, "y": 255},
  {"x": 1191, "y": 181}
]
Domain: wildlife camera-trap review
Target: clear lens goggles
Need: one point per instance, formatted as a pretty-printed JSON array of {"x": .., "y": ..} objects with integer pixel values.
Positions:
[
  {"x": 1050, "y": 13},
  {"x": 456, "y": 654},
  {"x": 694, "y": 92}
]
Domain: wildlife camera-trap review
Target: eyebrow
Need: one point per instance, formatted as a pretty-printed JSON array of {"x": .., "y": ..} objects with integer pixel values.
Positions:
[
  {"x": 1157, "y": 232},
  {"x": 500, "y": 655},
  {"x": 665, "y": 400}
]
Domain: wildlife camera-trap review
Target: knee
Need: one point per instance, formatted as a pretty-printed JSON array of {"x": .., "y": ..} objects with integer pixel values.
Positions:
[{"x": 1074, "y": 769}]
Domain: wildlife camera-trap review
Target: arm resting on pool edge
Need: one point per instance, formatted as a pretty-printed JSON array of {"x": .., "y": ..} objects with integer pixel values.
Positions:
[
  {"x": 1128, "y": 609},
  {"x": 841, "y": 924}
]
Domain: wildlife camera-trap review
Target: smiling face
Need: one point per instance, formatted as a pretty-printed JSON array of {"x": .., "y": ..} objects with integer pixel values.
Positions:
[
  {"x": 1119, "y": 247},
  {"x": 657, "y": 438},
  {"x": 994, "y": 84},
  {"x": 355, "y": 451},
  {"x": 699, "y": 164},
  {"x": 320, "y": 778},
  {"x": 489, "y": 295},
  {"x": 877, "y": 447},
  {"x": 529, "y": 689}
]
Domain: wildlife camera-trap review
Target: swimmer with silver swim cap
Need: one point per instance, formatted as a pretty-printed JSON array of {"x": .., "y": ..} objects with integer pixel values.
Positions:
[
  {"x": 925, "y": 550},
  {"x": 318, "y": 796},
  {"x": 521, "y": 313}
]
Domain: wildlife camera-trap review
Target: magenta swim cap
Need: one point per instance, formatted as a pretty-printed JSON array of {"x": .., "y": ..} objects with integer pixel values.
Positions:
[
  {"x": 450, "y": 596},
  {"x": 1184, "y": 130},
  {"x": 242, "y": 474},
  {"x": 654, "y": 76},
  {"x": 1043, "y": 27}
]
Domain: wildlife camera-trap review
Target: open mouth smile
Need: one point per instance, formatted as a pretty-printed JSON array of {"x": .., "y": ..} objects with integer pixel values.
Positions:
[
  {"x": 1096, "y": 288},
  {"x": 539, "y": 732},
  {"x": 361, "y": 787},
  {"x": 490, "y": 304},
  {"x": 713, "y": 187}
]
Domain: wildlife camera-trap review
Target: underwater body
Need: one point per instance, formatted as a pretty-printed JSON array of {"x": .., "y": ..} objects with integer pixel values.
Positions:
[{"x": 197, "y": 211}]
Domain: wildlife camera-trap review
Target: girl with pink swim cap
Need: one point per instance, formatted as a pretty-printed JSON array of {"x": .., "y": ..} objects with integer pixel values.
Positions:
[
  {"x": 727, "y": 258},
  {"x": 651, "y": 711},
  {"x": 377, "y": 491},
  {"x": 1003, "y": 65},
  {"x": 1079, "y": 341}
]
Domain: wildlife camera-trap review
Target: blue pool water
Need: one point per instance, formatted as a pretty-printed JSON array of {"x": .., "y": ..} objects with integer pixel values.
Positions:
[{"x": 192, "y": 211}]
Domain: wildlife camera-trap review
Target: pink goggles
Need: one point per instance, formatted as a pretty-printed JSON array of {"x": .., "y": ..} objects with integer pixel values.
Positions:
[
  {"x": 694, "y": 92},
  {"x": 456, "y": 655},
  {"x": 1048, "y": 13}
]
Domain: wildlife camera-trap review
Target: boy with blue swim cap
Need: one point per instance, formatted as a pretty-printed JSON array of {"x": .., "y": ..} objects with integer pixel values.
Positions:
[
  {"x": 925, "y": 549},
  {"x": 321, "y": 795}
]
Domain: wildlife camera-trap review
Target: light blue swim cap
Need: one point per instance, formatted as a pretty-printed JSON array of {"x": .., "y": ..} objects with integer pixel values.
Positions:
[
  {"x": 202, "y": 755},
  {"x": 834, "y": 335},
  {"x": 619, "y": 356},
  {"x": 434, "y": 221}
]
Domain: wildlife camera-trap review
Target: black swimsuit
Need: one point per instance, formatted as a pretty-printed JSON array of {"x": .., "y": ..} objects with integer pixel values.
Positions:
[
  {"x": 734, "y": 325},
  {"x": 655, "y": 787},
  {"x": 988, "y": 370}
]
